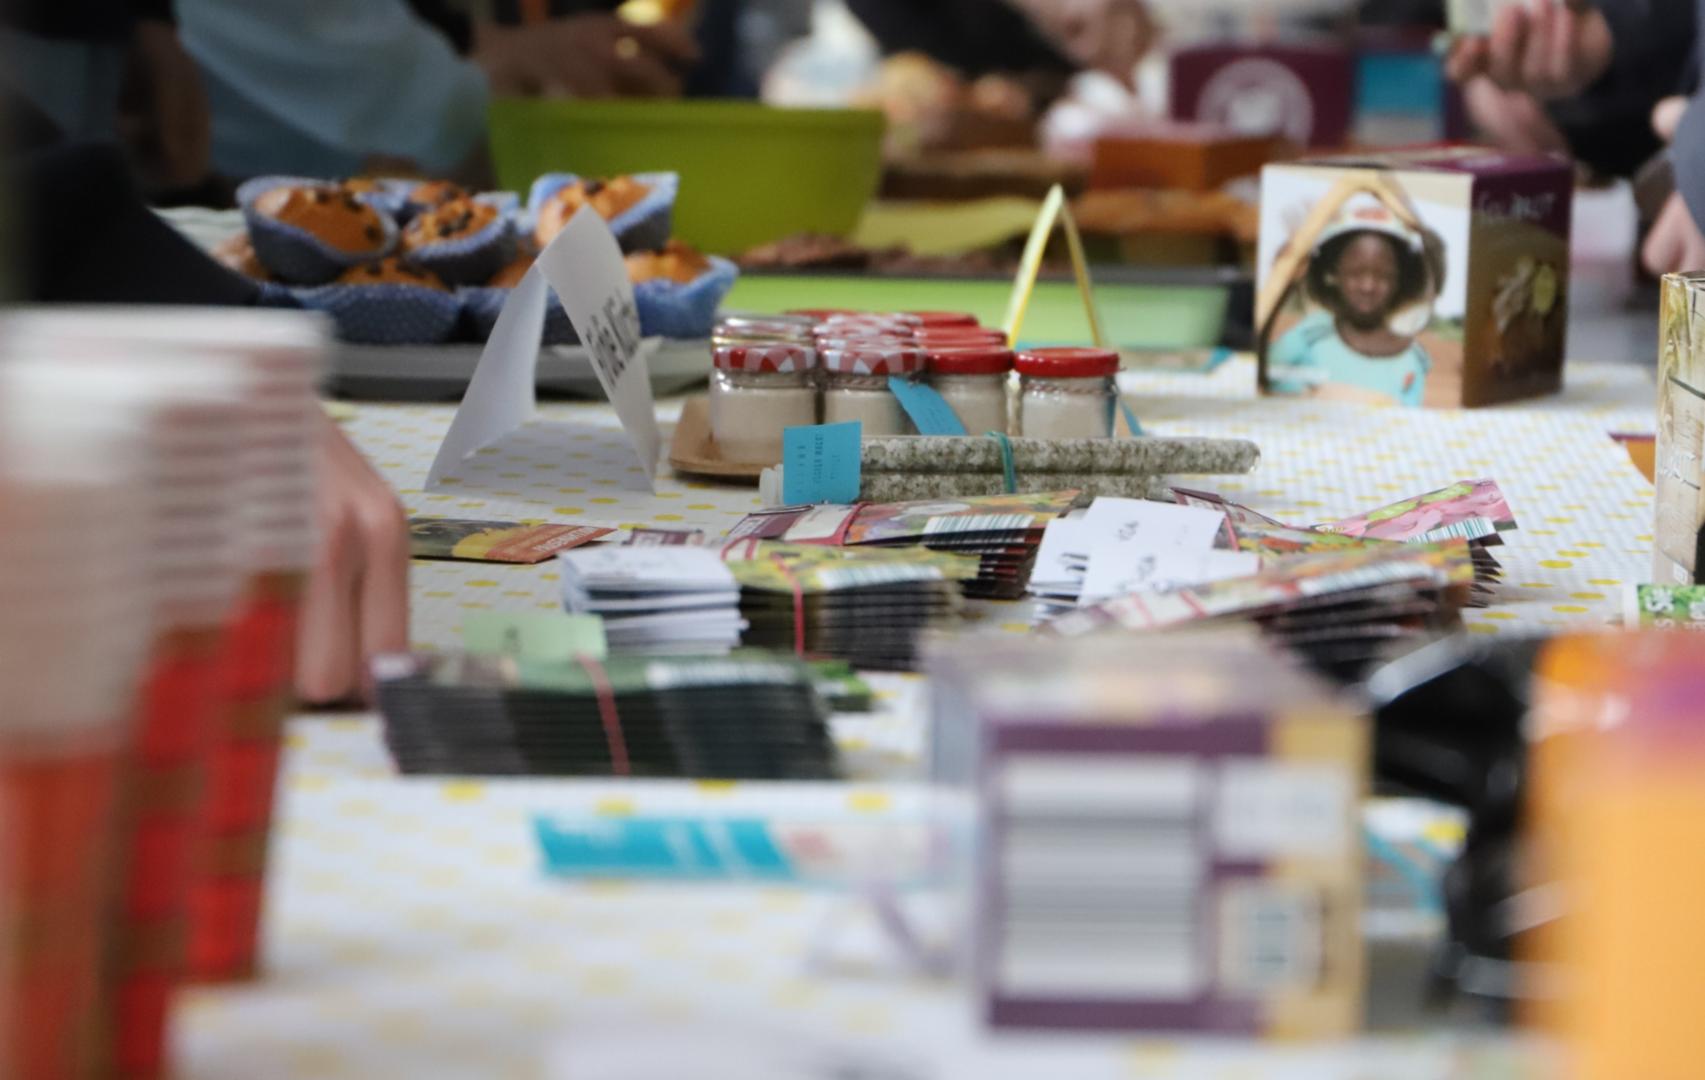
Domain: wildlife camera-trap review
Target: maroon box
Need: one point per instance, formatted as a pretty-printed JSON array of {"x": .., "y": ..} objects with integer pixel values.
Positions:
[{"x": 1303, "y": 92}]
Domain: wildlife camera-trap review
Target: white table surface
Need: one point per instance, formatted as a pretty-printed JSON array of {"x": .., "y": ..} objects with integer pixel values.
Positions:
[{"x": 410, "y": 933}]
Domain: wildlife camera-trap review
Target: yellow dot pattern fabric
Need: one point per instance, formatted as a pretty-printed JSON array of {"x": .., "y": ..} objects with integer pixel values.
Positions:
[{"x": 410, "y": 932}]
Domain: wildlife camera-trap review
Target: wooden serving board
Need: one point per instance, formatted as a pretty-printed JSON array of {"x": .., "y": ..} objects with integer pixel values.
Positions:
[{"x": 693, "y": 450}]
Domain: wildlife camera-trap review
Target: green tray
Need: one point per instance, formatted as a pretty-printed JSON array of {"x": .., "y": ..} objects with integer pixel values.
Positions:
[
  {"x": 750, "y": 173},
  {"x": 1142, "y": 315}
]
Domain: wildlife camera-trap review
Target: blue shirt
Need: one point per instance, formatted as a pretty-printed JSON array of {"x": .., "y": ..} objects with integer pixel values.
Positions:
[
  {"x": 1312, "y": 353},
  {"x": 316, "y": 87}
]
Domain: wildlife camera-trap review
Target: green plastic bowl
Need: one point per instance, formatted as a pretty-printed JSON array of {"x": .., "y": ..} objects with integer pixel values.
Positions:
[{"x": 750, "y": 173}]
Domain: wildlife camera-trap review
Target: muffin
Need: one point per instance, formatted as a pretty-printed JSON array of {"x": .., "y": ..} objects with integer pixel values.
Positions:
[
  {"x": 433, "y": 193},
  {"x": 676, "y": 262},
  {"x": 391, "y": 271},
  {"x": 510, "y": 276},
  {"x": 332, "y": 215},
  {"x": 454, "y": 220},
  {"x": 238, "y": 253},
  {"x": 610, "y": 198}
]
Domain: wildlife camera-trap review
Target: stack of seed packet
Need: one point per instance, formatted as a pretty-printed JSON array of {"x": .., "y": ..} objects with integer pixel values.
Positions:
[
  {"x": 1120, "y": 546},
  {"x": 1342, "y": 610},
  {"x": 750, "y": 715},
  {"x": 1056, "y": 581},
  {"x": 1003, "y": 531},
  {"x": 1473, "y": 511},
  {"x": 867, "y": 607},
  {"x": 666, "y": 599},
  {"x": 1168, "y": 833}
]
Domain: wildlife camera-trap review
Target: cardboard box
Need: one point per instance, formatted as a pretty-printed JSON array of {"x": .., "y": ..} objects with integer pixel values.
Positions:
[
  {"x": 1169, "y": 836},
  {"x": 1303, "y": 91},
  {"x": 1435, "y": 276},
  {"x": 1679, "y": 457},
  {"x": 1189, "y": 157}
]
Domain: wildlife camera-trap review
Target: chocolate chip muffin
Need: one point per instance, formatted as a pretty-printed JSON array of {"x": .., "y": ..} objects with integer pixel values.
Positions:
[
  {"x": 331, "y": 214},
  {"x": 610, "y": 198},
  {"x": 676, "y": 262},
  {"x": 391, "y": 271},
  {"x": 453, "y": 220}
]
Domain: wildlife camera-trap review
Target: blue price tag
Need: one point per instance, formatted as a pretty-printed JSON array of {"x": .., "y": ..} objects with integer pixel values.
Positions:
[
  {"x": 1130, "y": 418},
  {"x": 820, "y": 463},
  {"x": 929, "y": 411}
]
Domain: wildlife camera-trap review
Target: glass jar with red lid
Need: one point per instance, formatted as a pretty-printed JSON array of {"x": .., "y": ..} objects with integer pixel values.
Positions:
[
  {"x": 855, "y": 386},
  {"x": 973, "y": 380},
  {"x": 759, "y": 390},
  {"x": 1067, "y": 393}
]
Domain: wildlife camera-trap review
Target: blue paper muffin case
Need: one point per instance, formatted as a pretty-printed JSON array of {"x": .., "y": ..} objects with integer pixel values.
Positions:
[
  {"x": 645, "y": 226},
  {"x": 296, "y": 255},
  {"x": 470, "y": 260},
  {"x": 386, "y": 314}
]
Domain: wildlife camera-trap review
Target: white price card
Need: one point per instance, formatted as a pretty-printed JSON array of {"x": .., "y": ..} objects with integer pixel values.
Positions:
[{"x": 583, "y": 266}]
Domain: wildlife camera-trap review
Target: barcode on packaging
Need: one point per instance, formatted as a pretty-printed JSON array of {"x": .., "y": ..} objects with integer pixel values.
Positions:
[
  {"x": 1102, "y": 878},
  {"x": 978, "y": 523},
  {"x": 856, "y": 577}
]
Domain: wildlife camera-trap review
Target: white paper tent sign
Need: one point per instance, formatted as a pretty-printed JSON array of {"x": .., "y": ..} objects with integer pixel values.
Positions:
[{"x": 583, "y": 266}]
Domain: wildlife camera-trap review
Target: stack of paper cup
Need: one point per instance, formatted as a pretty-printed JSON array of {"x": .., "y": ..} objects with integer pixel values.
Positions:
[
  {"x": 74, "y": 626},
  {"x": 278, "y": 357}
]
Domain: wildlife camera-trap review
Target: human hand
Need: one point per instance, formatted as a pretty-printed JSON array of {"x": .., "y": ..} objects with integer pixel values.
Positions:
[
  {"x": 1675, "y": 243},
  {"x": 356, "y": 604},
  {"x": 1104, "y": 35},
  {"x": 1666, "y": 116},
  {"x": 584, "y": 56},
  {"x": 1513, "y": 120},
  {"x": 163, "y": 112},
  {"x": 1548, "y": 48}
]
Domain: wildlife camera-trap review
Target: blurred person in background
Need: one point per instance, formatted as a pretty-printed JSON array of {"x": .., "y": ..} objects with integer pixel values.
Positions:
[
  {"x": 332, "y": 88},
  {"x": 110, "y": 71},
  {"x": 1054, "y": 38},
  {"x": 1598, "y": 72}
]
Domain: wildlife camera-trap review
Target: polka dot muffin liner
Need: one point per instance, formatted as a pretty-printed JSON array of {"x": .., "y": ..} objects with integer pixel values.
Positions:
[
  {"x": 472, "y": 259},
  {"x": 296, "y": 255},
  {"x": 482, "y": 304},
  {"x": 390, "y": 196},
  {"x": 644, "y": 226},
  {"x": 386, "y": 314},
  {"x": 673, "y": 310}
]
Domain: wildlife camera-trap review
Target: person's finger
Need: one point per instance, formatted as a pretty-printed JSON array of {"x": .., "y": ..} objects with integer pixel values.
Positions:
[
  {"x": 1666, "y": 116},
  {"x": 326, "y": 641},
  {"x": 1466, "y": 60},
  {"x": 671, "y": 42},
  {"x": 1536, "y": 56},
  {"x": 1564, "y": 48},
  {"x": 384, "y": 596},
  {"x": 1665, "y": 249},
  {"x": 1506, "y": 47}
]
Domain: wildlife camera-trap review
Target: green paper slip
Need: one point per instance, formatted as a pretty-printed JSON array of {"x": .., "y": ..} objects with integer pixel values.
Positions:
[{"x": 534, "y": 635}]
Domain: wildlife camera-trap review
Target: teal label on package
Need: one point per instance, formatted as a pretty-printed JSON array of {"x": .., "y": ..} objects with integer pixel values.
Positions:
[
  {"x": 930, "y": 412},
  {"x": 821, "y": 463}
]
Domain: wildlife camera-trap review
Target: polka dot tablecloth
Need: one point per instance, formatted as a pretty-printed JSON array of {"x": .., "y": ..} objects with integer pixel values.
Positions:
[
  {"x": 410, "y": 932},
  {"x": 1584, "y": 511}
]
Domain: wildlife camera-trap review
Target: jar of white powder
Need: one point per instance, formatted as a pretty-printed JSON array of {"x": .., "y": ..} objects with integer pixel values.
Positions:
[
  {"x": 973, "y": 380},
  {"x": 1067, "y": 393},
  {"x": 855, "y": 386},
  {"x": 758, "y": 390}
]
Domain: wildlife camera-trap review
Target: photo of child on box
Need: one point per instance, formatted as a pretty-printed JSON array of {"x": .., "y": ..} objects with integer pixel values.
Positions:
[
  {"x": 1430, "y": 277},
  {"x": 1371, "y": 281}
]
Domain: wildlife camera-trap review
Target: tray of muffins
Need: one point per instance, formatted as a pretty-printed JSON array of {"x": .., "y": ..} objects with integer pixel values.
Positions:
[{"x": 405, "y": 266}]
